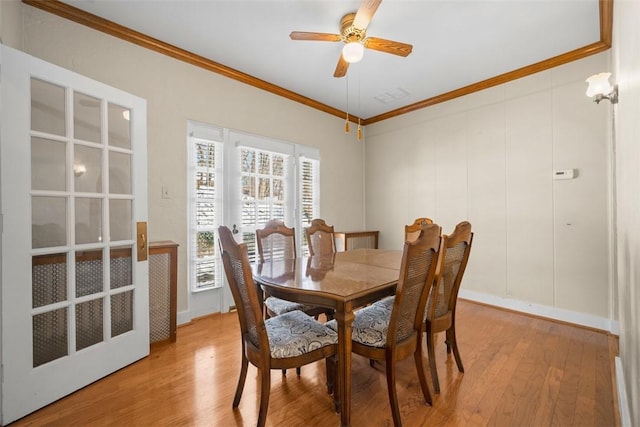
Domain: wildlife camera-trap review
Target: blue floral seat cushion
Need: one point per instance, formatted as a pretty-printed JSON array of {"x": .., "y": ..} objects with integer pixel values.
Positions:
[
  {"x": 294, "y": 333},
  {"x": 279, "y": 306},
  {"x": 370, "y": 324}
]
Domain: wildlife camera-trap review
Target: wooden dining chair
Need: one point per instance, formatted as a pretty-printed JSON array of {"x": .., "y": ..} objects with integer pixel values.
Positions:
[
  {"x": 320, "y": 238},
  {"x": 390, "y": 330},
  {"x": 287, "y": 341},
  {"x": 443, "y": 296},
  {"x": 277, "y": 241},
  {"x": 412, "y": 231}
]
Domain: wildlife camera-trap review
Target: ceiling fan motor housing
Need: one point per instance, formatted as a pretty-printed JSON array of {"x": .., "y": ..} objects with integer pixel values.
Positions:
[{"x": 349, "y": 32}]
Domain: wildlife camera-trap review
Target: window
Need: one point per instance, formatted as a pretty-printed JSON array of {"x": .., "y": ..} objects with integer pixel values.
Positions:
[
  {"x": 206, "y": 205},
  {"x": 262, "y": 180},
  {"x": 263, "y": 177},
  {"x": 309, "y": 197}
]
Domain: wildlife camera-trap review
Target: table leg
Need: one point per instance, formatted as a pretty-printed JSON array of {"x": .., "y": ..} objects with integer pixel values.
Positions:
[{"x": 344, "y": 318}]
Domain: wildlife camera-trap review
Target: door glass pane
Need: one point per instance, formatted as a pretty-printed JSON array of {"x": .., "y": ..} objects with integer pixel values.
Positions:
[
  {"x": 48, "y": 279},
  {"x": 264, "y": 163},
  {"x": 248, "y": 187},
  {"x": 48, "y": 165},
  {"x": 88, "y": 220},
  {"x": 86, "y": 117},
  {"x": 120, "y": 219},
  {"x": 48, "y": 221},
  {"x": 49, "y": 336},
  {"x": 89, "y": 323},
  {"x": 119, "y": 126},
  {"x": 119, "y": 173},
  {"x": 89, "y": 272},
  {"x": 248, "y": 161},
  {"x": 47, "y": 107},
  {"x": 121, "y": 264},
  {"x": 121, "y": 313},
  {"x": 87, "y": 169}
]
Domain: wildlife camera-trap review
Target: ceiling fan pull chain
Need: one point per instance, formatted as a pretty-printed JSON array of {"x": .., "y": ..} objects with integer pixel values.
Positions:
[{"x": 346, "y": 122}]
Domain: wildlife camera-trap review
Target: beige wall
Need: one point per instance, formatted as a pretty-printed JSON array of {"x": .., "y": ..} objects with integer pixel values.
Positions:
[
  {"x": 177, "y": 92},
  {"x": 540, "y": 245},
  {"x": 626, "y": 69},
  {"x": 486, "y": 157}
]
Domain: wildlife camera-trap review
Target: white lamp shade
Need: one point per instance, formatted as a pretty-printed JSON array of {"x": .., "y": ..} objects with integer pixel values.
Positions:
[
  {"x": 599, "y": 85},
  {"x": 353, "y": 52}
]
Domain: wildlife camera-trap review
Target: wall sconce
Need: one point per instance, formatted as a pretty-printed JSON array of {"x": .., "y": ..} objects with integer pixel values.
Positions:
[{"x": 600, "y": 88}]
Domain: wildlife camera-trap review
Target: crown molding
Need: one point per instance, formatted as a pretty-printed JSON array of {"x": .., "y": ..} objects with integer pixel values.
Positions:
[{"x": 71, "y": 13}]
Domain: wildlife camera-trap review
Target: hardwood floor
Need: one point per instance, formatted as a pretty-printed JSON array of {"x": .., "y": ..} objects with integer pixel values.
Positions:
[{"x": 519, "y": 371}]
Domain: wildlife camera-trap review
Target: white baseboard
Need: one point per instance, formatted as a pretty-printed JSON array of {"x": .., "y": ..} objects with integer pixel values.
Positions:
[
  {"x": 183, "y": 317},
  {"x": 543, "y": 311},
  {"x": 623, "y": 403}
]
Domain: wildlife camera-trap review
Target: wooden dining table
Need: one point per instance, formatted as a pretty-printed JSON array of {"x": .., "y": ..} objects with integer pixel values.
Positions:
[{"x": 342, "y": 281}]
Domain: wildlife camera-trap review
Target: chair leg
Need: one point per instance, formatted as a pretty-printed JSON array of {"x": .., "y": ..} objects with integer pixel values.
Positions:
[
  {"x": 331, "y": 373},
  {"x": 243, "y": 376},
  {"x": 264, "y": 396},
  {"x": 393, "y": 396},
  {"x": 284, "y": 372},
  {"x": 417, "y": 355},
  {"x": 451, "y": 339},
  {"x": 298, "y": 371},
  {"x": 432, "y": 361}
]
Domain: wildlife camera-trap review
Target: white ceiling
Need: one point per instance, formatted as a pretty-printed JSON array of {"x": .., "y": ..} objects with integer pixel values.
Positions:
[{"x": 455, "y": 42}]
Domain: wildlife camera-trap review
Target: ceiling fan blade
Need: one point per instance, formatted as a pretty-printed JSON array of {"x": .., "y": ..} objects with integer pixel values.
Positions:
[
  {"x": 365, "y": 13},
  {"x": 388, "y": 46},
  {"x": 341, "y": 68},
  {"x": 320, "y": 37}
]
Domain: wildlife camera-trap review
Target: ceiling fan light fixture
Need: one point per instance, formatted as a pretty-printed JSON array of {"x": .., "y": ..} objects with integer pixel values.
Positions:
[{"x": 352, "y": 52}]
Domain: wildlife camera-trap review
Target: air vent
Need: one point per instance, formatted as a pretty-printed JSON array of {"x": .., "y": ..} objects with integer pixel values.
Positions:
[{"x": 392, "y": 95}]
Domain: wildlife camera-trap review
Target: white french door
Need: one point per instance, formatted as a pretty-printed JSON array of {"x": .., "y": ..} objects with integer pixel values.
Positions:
[
  {"x": 73, "y": 198},
  {"x": 262, "y": 174}
]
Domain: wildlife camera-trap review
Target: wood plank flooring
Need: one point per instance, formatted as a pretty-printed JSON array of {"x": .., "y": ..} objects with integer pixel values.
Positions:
[{"x": 519, "y": 371}]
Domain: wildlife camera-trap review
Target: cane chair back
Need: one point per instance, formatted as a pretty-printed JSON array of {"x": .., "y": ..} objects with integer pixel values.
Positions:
[
  {"x": 443, "y": 296},
  {"x": 276, "y": 241},
  {"x": 320, "y": 238}
]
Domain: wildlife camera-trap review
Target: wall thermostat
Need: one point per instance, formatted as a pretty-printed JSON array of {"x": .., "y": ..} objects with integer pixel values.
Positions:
[{"x": 563, "y": 174}]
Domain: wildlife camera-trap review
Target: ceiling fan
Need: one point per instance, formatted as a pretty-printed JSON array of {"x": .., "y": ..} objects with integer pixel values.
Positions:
[{"x": 353, "y": 32}]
